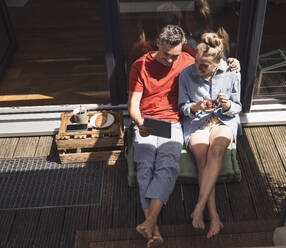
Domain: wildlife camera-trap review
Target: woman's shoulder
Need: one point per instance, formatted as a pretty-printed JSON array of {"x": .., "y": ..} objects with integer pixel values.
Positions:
[
  {"x": 225, "y": 67},
  {"x": 189, "y": 70}
]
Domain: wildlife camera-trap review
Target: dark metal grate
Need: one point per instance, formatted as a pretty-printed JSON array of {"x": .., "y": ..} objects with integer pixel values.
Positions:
[{"x": 37, "y": 182}]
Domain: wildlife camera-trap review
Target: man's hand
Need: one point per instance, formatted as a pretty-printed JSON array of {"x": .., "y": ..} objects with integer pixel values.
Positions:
[
  {"x": 145, "y": 131},
  {"x": 224, "y": 100},
  {"x": 234, "y": 64}
]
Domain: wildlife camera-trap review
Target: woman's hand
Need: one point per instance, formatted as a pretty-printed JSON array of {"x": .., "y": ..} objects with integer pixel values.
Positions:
[
  {"x": 224, "y": 100},
  {"x": 234, "y": 64},
  {"x": 200, "y": 105}
]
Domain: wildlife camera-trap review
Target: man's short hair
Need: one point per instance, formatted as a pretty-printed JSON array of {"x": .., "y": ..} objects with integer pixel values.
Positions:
[{"x": 172, "y": 35}]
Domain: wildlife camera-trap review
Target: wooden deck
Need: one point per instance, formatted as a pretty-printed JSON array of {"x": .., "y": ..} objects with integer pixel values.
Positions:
[{"x": 249, "y": 209}]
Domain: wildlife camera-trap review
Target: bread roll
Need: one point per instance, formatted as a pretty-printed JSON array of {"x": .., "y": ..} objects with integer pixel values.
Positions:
[{"x": 101, "y": 119}]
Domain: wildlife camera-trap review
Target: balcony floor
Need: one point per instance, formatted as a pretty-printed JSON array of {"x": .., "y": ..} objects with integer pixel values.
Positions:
[{"x": 249, "y": 209}]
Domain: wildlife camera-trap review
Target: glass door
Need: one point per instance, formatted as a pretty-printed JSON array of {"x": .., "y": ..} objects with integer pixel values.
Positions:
[
  {"x": 140, "y": 22},
  {"x": 7, "y": 38},
  {"x": 270, "y": 82}
]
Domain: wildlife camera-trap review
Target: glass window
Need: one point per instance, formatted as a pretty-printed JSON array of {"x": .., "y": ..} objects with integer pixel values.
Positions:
[
  {"x": 60, "y": 58},
  {"x": 142, "y": 20},
  {"x": 4, "y": 40},
  {"x": 270, "y": 83}
]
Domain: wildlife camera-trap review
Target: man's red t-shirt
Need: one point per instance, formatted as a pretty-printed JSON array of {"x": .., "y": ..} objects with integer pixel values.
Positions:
[{"x": 159, "y": 85}]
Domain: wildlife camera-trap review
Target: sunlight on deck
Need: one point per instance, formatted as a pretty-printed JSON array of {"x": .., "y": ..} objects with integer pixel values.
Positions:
[{"x": 23, "y": 97}]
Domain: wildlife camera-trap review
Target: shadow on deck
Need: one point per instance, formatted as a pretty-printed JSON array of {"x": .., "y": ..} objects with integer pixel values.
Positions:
[{"x": 249, "y": 209}]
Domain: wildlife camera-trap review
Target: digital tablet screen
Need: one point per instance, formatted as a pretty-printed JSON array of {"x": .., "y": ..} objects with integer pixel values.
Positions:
[{"x": 161, "y": 128}]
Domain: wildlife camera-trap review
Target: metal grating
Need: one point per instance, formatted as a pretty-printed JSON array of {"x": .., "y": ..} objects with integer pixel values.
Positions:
[{"x": 37, "y": 182}]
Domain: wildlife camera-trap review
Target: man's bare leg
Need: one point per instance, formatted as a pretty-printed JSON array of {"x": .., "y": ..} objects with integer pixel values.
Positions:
[
  {"x": 146, "y": 228},
  {"x": 157, "y": 239}
]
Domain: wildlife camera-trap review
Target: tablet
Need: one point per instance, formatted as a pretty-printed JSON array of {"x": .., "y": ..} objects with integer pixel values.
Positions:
[{"x": 161, "y": 128}]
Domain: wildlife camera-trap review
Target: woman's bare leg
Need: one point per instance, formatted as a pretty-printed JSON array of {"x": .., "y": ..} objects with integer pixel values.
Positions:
[
  {"x": 215, "y": 223},
  {"x": 199, "y": 145},
  {"x": 219, "y": 141}
]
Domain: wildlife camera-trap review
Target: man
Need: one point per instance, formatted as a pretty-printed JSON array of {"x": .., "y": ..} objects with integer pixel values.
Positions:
[
  {"x": 154, "y": 92},
  {"x": 153, "y": 86}
]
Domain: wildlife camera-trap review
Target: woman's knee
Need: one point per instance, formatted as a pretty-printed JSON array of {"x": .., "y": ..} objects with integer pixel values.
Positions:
[
  {"x": 199, "y": 152},
  {"x": 217, "y": 150}
]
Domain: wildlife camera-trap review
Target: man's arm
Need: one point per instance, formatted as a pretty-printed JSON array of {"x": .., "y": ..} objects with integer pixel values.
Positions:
[
  {"x": 134, "y": 107},
  {"x": 234, "y": 64},
  {"x": 135, "y": 114}
]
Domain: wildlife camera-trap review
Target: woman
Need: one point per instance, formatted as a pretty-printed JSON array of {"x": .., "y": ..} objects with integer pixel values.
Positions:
[{"x": 209, "y": 94}]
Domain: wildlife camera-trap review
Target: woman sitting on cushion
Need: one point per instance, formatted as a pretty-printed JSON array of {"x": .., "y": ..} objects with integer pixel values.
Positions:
[{"x": 209, "y": 99}]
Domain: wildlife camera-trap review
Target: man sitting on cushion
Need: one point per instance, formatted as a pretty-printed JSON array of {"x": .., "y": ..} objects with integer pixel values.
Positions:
[{"x": 153, "y": 86}]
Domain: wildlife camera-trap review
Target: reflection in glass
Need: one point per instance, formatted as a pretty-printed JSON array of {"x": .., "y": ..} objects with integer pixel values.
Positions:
[
  {"x": 4, "y": 40},
  {"x": 142, "y": 20},
  {"x": 271, "y": 72}
]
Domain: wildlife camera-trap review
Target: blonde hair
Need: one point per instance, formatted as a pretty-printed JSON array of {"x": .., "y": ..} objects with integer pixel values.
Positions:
[
  {"x": 203, "y": 13},
  {"x": 211, "y": 46}
]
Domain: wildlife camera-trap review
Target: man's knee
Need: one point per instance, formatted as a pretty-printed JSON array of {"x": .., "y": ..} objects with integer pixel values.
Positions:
[
  {"x": 170, "y": 151},
  {"x": 144, "y": 152}
]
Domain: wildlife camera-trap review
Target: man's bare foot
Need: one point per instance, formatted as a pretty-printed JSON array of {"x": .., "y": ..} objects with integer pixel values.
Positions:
[
  {"x": 215, "y": 227},
  {"x": 145, "y": 229},
  {"x": 157, "y": 240},
  {"x": 198, "y": 219}
]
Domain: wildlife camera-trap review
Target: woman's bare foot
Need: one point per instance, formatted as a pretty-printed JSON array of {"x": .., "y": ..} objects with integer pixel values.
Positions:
[
  {"x": 146, "y": 229},
  {"x": 198, "y": 219},
  {"x": 157, "y": 239},
  {"x": 215, "y": 227}
]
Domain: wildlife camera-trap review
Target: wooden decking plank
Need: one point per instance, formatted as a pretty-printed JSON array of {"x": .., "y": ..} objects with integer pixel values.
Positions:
[
  {"x": 76, "y": 218},
  {"x": 240, "y": 198},
  {"x": 8, "y": 146},
  {"x": 44, "y": 146},
  {"x": 105, "y": 209},
  {"x": 274, "y": 170},
  {"x": 245, "y": 240},
  {"x": 175, "y": 235},
  {"x": 223, "y": 203},
  {"x": 174, "y": 212},
  {"x": 26, "y": 147},
  {"x": 50, "y": 226},
  {"x": 190, "y": 194},
  {"x": 24, "y": 228},
  {"x": 279, "y": 133},
  {"x": 139, "y": 212},
  {"x": 252, "y": 169},
  {"x": 6, "y": 222},
  {"x": 125, "y": 197}
]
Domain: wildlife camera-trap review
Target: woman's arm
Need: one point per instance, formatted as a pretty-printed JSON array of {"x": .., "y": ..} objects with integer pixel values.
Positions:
[
  {"x": 186, "y": 105},
  {"x": 232, "y": 106},
  {"x": 184, "y": 101}
]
